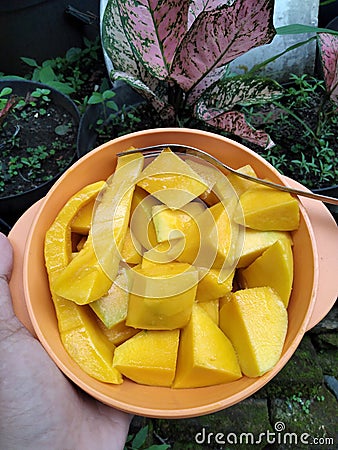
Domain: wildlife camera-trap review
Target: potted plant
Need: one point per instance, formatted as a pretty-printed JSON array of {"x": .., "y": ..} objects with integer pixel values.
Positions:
[
  {"x": 181, "y": 66},
  {"x": 38, "y": 129}
]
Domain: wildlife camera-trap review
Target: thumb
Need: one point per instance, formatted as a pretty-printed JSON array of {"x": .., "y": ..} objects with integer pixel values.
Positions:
[{"x": 8, "y": 321}]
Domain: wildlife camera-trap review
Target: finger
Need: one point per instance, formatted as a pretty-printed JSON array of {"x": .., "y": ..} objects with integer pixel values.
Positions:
[{"x": 8, "y": 321}]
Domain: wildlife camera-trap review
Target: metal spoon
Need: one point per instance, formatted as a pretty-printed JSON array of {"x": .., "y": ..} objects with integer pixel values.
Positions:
[{"x": 155, "y": 150}]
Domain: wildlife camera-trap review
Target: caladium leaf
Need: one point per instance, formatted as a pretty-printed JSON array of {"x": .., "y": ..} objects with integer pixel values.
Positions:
[
  {"x": 167, "y": 111},
  {"x": 241, "y": 90},
  {"x": 233, "y": 122},
  {"x": 217, "y": 37},
  {"x": 198, "y": 6},
  {"x": 154, "y": 29},
  {"x": 328, "y": 46},
  {"x": 115, "y": 41}
]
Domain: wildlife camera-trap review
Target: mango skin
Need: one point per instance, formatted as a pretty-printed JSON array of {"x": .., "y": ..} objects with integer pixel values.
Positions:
[
  {"x": 273, "y": 268},
  {"x": 206, "y": 356},
  {"x": 149, "y": 357},
  {"x": 267, "y": 209},
  {"x": 256, "y": 321}
]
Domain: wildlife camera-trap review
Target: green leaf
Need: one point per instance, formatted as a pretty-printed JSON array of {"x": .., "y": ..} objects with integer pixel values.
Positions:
[
  {"x": 159, "y": 447},
  {"x": 31, "y": 62},
  {"x": 62, "y": 130},
  {"x": 108, "y": 94},
  {"x": 6, "y": 91},
  {"x": 140, "y": 437},
  {"x": 95, "y": 98},
  {"x": 47, "y": 74},
  {"x": 297, "y": 28},
  {"x": 62, "y": 87}
]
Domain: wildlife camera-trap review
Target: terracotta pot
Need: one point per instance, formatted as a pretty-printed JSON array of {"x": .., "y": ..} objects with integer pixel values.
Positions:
[{"x": 313, "y": 294}]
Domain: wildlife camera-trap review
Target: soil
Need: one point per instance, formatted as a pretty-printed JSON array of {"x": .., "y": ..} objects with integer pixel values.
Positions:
[{"x": 32, "y": 151}]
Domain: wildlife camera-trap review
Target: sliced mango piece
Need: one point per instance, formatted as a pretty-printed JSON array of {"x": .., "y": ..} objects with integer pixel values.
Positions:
[
  {"x": 171, "y": 180},
  {"x": 240, "y": 184},
  {"x": 206, "y": 356},
  {"x": 118, "y": 333},
  {"x": 149, "y": 357},
  {"x": 81, "y": 338},
  {"x": 256, "y": 242},
  {"x": 112, "y": 211},
  {"x": 212, "y": 308},
  {"x": 132, "y": 249},
  {"x": 211, "y": 285},
  {"x": 172, "y": 224},
  {"x": 267, "y": 209},
  {"x": 256, "y": 321},
  {"x": 163, "y": 253},
  {"x": 58, "y": 244},
  {"x": 141, "y": 222},
  {"x": 83, "y": 280},
  {"x": 83, "y": 219},
  {"x": 273, "y": 268},
  {"x": 113, "y": 307},
  {"x": 162, "y": 296}
]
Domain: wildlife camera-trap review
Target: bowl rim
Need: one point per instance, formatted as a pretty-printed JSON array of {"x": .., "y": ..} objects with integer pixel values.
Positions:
[{"x": 165, "y": 412}]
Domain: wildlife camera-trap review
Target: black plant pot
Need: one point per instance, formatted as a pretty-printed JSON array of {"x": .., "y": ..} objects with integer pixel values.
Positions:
[
  {"x": 43, "y": 29},
  {"x": 13, "y": 206},
  {"x": 87, "y": 134}
]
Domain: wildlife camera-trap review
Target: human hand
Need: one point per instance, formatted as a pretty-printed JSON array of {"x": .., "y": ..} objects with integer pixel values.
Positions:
[{"x": 39, "y": 407}]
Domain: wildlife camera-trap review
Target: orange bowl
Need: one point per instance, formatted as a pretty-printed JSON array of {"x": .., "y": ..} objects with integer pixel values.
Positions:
[{"x": 129, "y": 396}]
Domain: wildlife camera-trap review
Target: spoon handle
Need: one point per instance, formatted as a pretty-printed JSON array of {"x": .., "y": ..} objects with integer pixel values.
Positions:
[{"x": 154, "y": 150}]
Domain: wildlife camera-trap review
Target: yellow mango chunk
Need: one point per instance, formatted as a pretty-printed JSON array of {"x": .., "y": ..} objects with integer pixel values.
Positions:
[
  {"x": 131, "y": 250},
  {"x": 83, "y": 280},
  {"x": 172, "y": 224},
  {"x": 241, "y": 185},
  {"x": 149, "y": 357},
  {"x": 171, "y": 180},
  {"x": 206, "y": 356},
  {"x": 91, "y": 350},
  {"x": 273, "y": 268},
  {"x": 141, "y": 222},
  {"x": 162, "y": 296},
  {"x": 256, "y": 242},
  {"x": 211, "y": 285},
  {"x": 58, "y": 245},
  {"x": 112, "y": 212},
  {"x": 163, "y": 253},
  {"x": 118, "y": 333},
  {"x": 113, "y": 307},
  {"x": 256, "y": 321},
  {"x": 83, "y": 219},
  {"x": 212, "y": 308},
  {"x": 268, "y": 209},
  {"x": 78, "y": 332}
]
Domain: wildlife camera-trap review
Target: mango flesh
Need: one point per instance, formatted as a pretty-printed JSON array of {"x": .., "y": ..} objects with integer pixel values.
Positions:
[
  {"x": 131, "y": 251},
  {"x": 241, "y": 185},
  {"x": 82, "y": 221},
  {"x": 256, "y": 242},
  {"x": 82, "y": 339},
  {"x": 112, "y": 212},
  {"x": 206, "y": 356},
  {"x": 149, "y": 357},
  {"x": 211, "y": 285},
  {"x": 118, "y": 333},
  {"x": 212, "y": 308},
  {"x": 268, "y": 209},
  {"x": 255, "y": 320},
  {"x": 273, "y": 268},
  {"x": 162, "y": 296},
  {"x": 172, "y": 224},
  {"x": 141, "y": 222},
  {"x": 171, "y": 180},
  {"x": 112, "y": 308}
]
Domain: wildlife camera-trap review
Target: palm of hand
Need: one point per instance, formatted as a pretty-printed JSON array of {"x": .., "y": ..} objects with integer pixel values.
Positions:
[{"x": 39, "y": 407}]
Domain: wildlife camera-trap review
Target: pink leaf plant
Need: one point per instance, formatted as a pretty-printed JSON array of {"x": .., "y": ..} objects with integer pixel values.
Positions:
[{"x": 176, "y": 54}]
